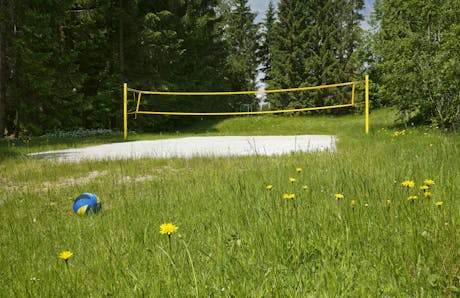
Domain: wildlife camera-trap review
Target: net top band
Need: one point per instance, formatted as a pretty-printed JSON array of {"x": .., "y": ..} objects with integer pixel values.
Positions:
[{"x": 243, "y": 92}]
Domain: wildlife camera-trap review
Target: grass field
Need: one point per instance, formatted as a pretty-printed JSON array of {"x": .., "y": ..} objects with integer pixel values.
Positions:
[{"x": 235, "y": 237}]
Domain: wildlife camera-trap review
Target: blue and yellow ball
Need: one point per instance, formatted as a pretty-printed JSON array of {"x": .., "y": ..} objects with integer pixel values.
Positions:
[{"x": 85, "y": 203}]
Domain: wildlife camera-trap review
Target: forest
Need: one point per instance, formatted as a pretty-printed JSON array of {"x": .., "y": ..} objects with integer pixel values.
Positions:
[{"x": 63, "y": 62}]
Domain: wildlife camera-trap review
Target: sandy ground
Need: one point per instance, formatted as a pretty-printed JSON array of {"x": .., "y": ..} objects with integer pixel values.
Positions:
[{"x": 197, "y": 146}]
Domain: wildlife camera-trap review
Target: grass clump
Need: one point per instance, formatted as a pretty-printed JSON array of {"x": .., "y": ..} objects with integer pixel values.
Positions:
[{"x": 239, "y": 235}]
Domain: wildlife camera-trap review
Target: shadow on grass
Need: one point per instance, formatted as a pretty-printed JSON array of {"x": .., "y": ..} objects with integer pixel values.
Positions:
[
  {"x": 18, "y": 148},
  {"x": 173, "y": 124},
  {"x": 11, "y": 148}
]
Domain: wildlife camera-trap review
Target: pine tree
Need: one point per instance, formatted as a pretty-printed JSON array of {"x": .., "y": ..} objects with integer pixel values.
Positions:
[
  {"x": 288, "y": 54},
  {"x": 182, "y": 50},
  {"x": 61, "y": 66},
  {"x": 241, "y": 37},
  {"x": 202, "y": 65},
  {"x": 267, "y": 41},
  {"x": 43, "y": 72},
  {"x": 314, "y": 45},
  {"x": 9, "y": 101}
]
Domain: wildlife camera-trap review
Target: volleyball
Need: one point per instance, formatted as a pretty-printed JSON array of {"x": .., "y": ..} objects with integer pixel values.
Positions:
[{"x": 86, "y": 203}]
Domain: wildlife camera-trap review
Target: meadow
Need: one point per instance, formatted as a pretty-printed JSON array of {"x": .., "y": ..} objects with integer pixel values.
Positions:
[{"x": 252, "y": 226}]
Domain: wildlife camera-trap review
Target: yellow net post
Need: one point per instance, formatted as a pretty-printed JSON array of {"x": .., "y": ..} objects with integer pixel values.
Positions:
[
  {"x": 125, "y": 111},
  {"x": 353, "y": 93},
  {"x": 367, "y": 103}
]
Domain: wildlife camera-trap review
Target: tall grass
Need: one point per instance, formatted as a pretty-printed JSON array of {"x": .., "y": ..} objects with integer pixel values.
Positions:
[{"x": 236, "y": 238}]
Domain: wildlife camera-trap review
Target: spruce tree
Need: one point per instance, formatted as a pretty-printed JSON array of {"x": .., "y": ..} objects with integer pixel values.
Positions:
[
  {"x": 314, "y": 45},
  {"x": 241, "y": 38},
  {"x": 43, "y": 70},
  {"x": 201, "y": 67},
  {"x": 267, "y": 41},
  {"x": 182, "y": 50},
  {"x": 288, "y": 54}
]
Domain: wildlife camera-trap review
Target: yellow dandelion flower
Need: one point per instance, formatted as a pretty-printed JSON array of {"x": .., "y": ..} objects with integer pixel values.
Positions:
[
  {"x": 424, "y": 187},
  {"x": 168, "y": 228},
  {"x": 388, "y": 202},
  {"x": 439, "y": 204},
  {"x": 269, "y": 187},
  {"x": 292, "y": 180},
  {"x": 428, "y": 182},
  {"x": 65, "y": 255},
  {"x": 304, "y": 187},
  {"x": 298, "y": 170},
  {"x": 339, "y": 196},
  {"x": 408, "y": 183},
  {"x": 428, "y": 194},
  {"x": 412, "y": 198},
  {"x": 353, "y": 203},
  {"x": 288, "y": 196}
]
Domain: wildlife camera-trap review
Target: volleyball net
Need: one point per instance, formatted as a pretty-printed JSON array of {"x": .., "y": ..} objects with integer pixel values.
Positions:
[{"x": 138, "y": 96}]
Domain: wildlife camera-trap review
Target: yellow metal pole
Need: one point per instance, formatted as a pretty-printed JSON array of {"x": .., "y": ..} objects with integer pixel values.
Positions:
[
  {"x": 125, "y": 111},
  {"x": 353, "y": 94},
  {"x": 367, "y": 104},
  {"x": 138, "y": 104}
]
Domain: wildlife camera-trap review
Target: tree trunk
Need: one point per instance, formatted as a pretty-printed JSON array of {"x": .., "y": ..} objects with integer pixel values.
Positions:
[
  {"x": 121, "y": 44},
  {"x": 14, "y": 69},
  {"x": 2, "y": 74}
]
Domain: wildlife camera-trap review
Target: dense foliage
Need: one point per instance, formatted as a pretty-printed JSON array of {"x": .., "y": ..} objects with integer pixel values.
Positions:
[
  {"x": 62, "y": 63},
  {"x": 417, "y": 59},
  {"x": 65, "y": 64},
  {"x": 313, "y": 44}
]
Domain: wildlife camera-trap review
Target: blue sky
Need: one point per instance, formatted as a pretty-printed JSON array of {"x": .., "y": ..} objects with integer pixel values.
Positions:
[{"x": 260, "y": 6}]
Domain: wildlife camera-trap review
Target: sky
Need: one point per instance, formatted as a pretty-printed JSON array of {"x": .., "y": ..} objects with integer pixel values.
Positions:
[{"x": 260, "y": 6}]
